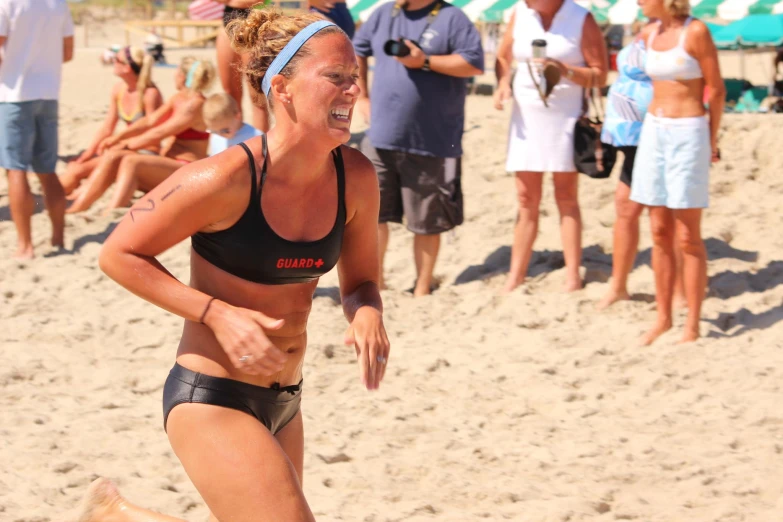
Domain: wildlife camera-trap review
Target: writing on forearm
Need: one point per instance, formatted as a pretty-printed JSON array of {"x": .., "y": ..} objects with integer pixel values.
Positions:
[
  {"x": 142, "y": 209},
  {"x": 170, "y": 192}
]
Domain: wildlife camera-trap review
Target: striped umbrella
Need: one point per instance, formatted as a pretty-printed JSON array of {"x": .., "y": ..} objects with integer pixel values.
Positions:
[
  {"x": 491, "y": 11},
  {"x": 758, "y": 30},
  {"x": 625, "y": 12},
  {"x": 500, "y": 10},
  {"x": 738, "y": 9}
]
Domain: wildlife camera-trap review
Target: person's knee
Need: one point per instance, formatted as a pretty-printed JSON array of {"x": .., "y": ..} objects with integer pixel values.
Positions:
[
  {"x": 529, "y": 200},
  {"x": 690, "y": 242},
  {"x": 662, "y": 233},
  {"x": 129, "y": 163},
  {"x": 112, "y": 156}
]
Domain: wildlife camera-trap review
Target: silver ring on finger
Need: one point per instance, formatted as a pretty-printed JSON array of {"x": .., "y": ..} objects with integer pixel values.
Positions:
[
  {"x": 381, "y": 359},
  {"x": 244, "y": 358}
]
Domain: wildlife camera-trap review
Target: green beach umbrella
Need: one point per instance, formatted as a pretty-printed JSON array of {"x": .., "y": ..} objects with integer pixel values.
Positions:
[{"x": 758, "y": 30}]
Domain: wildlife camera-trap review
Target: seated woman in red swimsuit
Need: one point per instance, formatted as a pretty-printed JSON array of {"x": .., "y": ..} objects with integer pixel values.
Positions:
[
  {"x": 179, "y": 117},
  {"x": 132, "y": 98}
]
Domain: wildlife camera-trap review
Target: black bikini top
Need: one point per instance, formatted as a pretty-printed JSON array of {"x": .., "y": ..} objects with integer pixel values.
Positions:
[{"x": 250, "y": 249}]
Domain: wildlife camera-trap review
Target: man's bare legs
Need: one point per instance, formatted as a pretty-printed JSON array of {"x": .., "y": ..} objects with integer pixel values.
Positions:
[
  {"x": 425, "y": 254},
  {"x": 231, "y": 78},
  {"x": 22, "y": 206},
  {"x": 383, "y": 245}
]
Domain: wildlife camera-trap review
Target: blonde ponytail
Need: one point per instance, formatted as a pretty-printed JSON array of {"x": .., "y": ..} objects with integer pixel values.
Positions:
[
  {"x": 199, "y": 78},
  {"x": 145, "y": 79}
]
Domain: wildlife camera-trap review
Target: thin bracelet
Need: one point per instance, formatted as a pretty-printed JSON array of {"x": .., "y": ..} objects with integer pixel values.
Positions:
[{"x": 206, "y": 309}]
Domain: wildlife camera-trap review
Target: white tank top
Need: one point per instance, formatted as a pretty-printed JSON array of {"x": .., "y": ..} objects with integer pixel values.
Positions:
[
  {"x": 563, "y": 41},
  {"x": 675, "y": 64}
]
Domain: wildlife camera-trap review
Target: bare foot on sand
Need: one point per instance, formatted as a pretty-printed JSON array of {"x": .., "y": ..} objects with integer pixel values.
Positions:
[
  {"x": 611, "y": 298},
  {"x": 659, "y": 329},
  {"x": 511, "y": 285},
  {"x": 100, "y": 503},
  {"x": 689, "y": 336},
  {"x": 24, "y": 253},
  {"x": 573, "y": 285},
  {"x": 76, "y": 207},
  {"x": 58, "y": 239}
]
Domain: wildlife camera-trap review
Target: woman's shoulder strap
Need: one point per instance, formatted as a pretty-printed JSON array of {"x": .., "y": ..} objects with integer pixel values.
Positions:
[
  {"x": 684, "y": 31},
  {"x": 253, "y": 175},
  {"x": 340, "y": 167}
]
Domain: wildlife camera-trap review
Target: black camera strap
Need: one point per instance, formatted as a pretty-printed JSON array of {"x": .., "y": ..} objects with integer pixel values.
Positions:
[{"x": 430, "y": 17}]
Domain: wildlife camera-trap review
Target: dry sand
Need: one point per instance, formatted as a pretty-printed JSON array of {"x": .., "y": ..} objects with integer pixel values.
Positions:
[{"x": 530, "y": 407}]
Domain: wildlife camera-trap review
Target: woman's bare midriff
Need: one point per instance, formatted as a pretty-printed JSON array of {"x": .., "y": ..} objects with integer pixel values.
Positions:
[
  {"x": 200, "y": 351},
  {"x": 678, "y": 99}
]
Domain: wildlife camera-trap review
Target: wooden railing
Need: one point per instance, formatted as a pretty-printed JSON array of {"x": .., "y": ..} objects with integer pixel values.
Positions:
[{"x": 206, "y": 31}]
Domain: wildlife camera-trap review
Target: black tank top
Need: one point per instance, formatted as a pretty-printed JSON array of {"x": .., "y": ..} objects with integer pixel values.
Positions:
[{"x": 250, "y": 249}]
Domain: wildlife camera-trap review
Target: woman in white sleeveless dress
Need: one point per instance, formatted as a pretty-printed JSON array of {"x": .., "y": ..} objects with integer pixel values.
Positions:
[{"x": 541, "y": 138}]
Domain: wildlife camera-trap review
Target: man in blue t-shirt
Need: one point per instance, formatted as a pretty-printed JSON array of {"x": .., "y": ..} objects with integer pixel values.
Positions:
[{"x": 416, "y": 110}]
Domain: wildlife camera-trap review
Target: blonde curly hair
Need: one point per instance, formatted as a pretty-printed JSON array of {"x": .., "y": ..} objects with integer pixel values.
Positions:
[
  {"x": 678, "y": 7},
  {"x": 263, "y": 34}
]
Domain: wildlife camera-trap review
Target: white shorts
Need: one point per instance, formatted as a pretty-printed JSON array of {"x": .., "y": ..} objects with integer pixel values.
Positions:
[{"x": 672, "y": 167}]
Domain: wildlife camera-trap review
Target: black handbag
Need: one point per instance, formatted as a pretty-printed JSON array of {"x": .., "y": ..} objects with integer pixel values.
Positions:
[{"x": 591, "y": 156}]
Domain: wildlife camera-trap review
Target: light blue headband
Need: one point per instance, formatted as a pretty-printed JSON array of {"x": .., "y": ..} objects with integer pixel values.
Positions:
[
  {"x": 288, "y": 52},
  {"x": 191, "y": 72}
]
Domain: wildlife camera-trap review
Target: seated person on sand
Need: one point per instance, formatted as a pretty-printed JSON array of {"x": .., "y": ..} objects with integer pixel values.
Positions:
[
  {"x": 179, "y": 117},
  {"x": 133, "y": 97},
  {"x": 223, "y": 119},
  {"x": 224, "y": 122}
]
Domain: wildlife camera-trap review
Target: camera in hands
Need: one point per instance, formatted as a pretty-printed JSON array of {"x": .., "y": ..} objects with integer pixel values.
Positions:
[{"x": 398, "y": 48}]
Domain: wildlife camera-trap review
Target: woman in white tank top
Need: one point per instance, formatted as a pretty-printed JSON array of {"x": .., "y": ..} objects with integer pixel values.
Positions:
[
  {"x": 541, "y": 137},
  {"x": 677, "y": 144}
]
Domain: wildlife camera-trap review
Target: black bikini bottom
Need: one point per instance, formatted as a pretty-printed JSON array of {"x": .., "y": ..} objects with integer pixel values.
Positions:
[{"x": 273, "y": 407}]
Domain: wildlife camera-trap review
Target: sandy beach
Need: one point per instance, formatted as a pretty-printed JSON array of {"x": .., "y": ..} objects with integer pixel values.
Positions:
[{"x": 528, "y": 407}]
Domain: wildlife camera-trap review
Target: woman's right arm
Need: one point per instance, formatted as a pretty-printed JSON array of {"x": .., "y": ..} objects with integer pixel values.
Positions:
[
  {"x": 140, "y": 126},
  {"x": 503, "y": 63},
  {"x": 196, "y": 197}
]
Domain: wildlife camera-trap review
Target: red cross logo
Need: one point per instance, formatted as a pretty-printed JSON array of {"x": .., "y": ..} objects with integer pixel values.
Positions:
[{"x": 319, "y": 263}]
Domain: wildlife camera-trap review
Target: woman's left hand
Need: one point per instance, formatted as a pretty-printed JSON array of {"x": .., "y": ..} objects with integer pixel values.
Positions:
[
  {"x": 368, "y": 336},
  {"x": 715, "y": 154}
]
